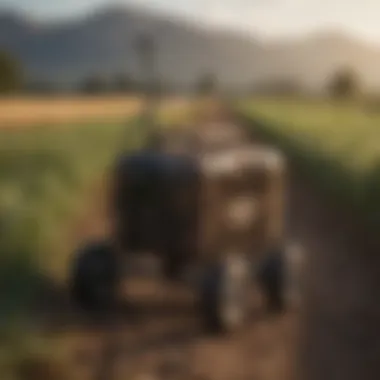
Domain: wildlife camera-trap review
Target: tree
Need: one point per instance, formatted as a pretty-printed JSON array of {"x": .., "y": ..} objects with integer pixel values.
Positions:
[
  {"x": 11, "y": 76},
  {"x": 158, "y": 87},
  {"x": 123, "y": 83},
  {"x": 278, "y": 86},
  {"x": 94, "y": 85},
  {"x": 41, "y": 88},
  {"x": 207, "y": 84},
  {"x": 344, "y": 83}
]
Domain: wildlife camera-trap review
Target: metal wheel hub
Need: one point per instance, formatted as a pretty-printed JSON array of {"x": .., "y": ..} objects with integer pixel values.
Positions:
[{"x": 234, "y": 290}]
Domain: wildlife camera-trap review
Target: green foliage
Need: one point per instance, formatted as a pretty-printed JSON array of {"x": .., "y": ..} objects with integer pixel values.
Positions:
[
  {"x": 335, "y": 145},
  {"x": 344, "y": 83},
  {"x": 94, "y": 85},
  {"x": 207, "y": 84},
  {"x": 41, "y": 88},
  {"x": 44, "y": 176},
  {"x": 124, "y": 84},
  {"x": 11, "y": 76}
]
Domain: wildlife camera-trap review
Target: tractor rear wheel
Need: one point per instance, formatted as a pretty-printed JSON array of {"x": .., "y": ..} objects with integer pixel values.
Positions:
[{"x": 94, "y": 279}]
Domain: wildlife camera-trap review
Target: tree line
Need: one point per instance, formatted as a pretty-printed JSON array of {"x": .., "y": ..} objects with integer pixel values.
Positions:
[{"x": 343, "y": 83}]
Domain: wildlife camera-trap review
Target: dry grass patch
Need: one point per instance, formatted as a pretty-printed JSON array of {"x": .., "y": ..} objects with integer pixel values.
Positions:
[{"x": 16, "y": 112}]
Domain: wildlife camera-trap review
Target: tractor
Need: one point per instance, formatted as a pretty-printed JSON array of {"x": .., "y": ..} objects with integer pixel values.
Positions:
[
  {"x": 212, "y": 210},
  {"x": 206, "y": 202}
]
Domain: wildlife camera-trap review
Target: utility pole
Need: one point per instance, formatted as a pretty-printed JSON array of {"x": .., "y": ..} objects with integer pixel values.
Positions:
[
  {"x": 145, "y": 47},
  {"x": 113, "y": 339}
]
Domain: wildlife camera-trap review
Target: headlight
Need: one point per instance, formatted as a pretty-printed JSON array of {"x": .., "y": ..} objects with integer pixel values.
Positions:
[{"x": 242, "y": 212}]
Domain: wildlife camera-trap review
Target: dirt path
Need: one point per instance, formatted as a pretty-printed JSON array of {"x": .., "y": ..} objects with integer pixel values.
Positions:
[
  {"x": 339, "y": 321},
  {"x": 341, "y": 330}
]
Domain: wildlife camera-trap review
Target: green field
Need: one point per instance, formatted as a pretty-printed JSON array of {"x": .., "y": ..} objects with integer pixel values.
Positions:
[
  {"x": 336, "y": 145},
  {"x": 43, "y": 177},
  {"x": 46, "y": 176}
]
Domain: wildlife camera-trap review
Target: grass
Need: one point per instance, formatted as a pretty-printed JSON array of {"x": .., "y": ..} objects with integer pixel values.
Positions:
[
  {"x": 26, "y": 112},
  {"x": 336, "y": 144},
  {"x": 45, "y": 174},
  {"x": 45, "y": 177}
]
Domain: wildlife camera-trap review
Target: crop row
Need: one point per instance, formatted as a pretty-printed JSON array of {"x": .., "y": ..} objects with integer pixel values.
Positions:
[
  {"x": 43, "y": 178},
  {"x": 336, "y": 145}
]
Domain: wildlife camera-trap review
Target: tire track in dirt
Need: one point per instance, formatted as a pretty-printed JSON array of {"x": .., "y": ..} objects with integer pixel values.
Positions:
[{"x": 340, "y": 320}]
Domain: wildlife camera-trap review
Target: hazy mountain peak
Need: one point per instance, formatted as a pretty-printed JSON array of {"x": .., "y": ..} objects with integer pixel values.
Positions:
[{"x": 102, "y": 42}]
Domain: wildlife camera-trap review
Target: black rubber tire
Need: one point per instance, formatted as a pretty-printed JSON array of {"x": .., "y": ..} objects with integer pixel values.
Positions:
[
  {"x": 271, "y": 280},
  {"x": 212, "y": 302},
  {"x": 94, "y": 279},
  {"x": 173, "y": 266},
  {"x": 209, "y": 299}
]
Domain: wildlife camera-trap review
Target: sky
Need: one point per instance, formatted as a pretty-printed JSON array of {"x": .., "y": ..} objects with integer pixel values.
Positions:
[{"x": 269, "y": 18}]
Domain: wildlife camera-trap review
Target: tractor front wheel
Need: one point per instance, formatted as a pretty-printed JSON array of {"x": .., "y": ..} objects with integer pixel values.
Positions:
[{"x": 224, "y": 295}]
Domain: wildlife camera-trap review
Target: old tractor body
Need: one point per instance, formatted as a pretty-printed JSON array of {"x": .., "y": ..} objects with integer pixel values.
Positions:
[{"x": 207, "y": 201}]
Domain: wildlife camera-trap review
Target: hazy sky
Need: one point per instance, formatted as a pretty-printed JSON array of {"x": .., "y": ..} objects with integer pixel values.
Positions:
[{"x": 275, "y": 18}]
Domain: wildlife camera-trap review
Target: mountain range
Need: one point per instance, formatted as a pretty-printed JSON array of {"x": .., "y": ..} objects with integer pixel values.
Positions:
[{"x": 104, "y": 43}]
